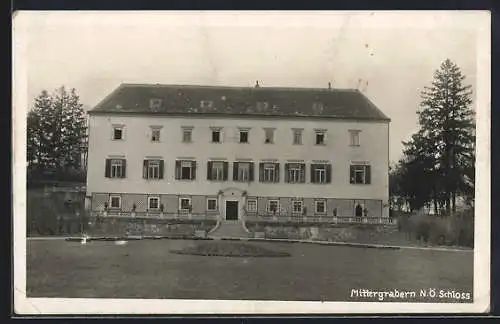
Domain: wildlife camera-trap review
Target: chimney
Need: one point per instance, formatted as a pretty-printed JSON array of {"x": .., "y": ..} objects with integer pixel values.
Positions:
[
  {"x": 329, "y": 86},
  {"x": 257, "y": 84}
]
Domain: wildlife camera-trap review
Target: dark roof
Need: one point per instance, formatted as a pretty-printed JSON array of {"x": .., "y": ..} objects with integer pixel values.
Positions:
[{"x": 245, "y": 101}]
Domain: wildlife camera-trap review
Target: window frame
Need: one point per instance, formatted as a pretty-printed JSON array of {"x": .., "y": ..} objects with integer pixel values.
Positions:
[
  {"x": 118, "y": 166},
  {"x": 271, "y": 131},
  {"x": 354, "y": 138},
  {"x": 217, "y": 171},
  {"x": 190, "y": 170},
  {"x": 180, "y": 203},
  {"x": 268, "y": 207},
  {"x": 355, "y": 166},
  {"x": 319, "y": 169},
  {"x": 295, "y": 132},
  {"x": 294, "y": 201},
  {"x": 153, "y": 131},
  {"x": 316, "y": 134},
  {"x": 216, "y": 204},
  {"x": 244, "y": 131},
  {"x": 158, "y": 203},
  {"x": 212, "y": 132},
  {"x": 316, "y": 206},
  {"x": 111, "y": 201},
  {"x": 253, "y": 210},
  {"x": 272, "y": 170},
  {"x": 155, "y": 103},
  {"x": 295, "y": 168},
  {"x": 121, "y": 128},
  {"x": 187, "y": 130},
  {"x": 150, "y": 167}
]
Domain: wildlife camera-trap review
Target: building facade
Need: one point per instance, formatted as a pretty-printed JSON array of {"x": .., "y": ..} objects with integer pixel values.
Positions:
[{"x": 238, "y": 153}]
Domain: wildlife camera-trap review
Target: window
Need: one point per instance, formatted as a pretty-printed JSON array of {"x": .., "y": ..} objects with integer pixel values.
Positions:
[
  {"x": 269, "y": 135},
  {"x": 185, "y": 204},
  {"x": 297, "y": 136},
  {"x": 187, "y": 134},
  {"x": 321, "y": 173},
  {"x": 251, "y": 206},
  {"x": 155, "y": 134},
  {"x": 185, "y": 170},
  {"x": 217, "y": 171},
  {"x": 155, "y": 103},
  {"x": 320, "y": 137},
  {"x": 153, "y": 169},
  {"x": 115, "y": 168},
  {"x": 360, "y": 174},
  {"x": 243, "y": 136},
  {"x": 269, "y": 172},
  {"x": 262, "y": 106},
  {"x": 153, "y": 203},
  {"x": 273, "y": 206},
  {"x": 243, "y": 171},
  {"x": 317, "y": 108},
  {"x": 206, "y": 104},
  {"x": 354, "y": 136},
  {"x": 320, "y": 206},
  {"x": 211, "y": 204},
  {"x": 115, "y": 201},
  {"x": 118, "y": 133},
  {"x": 216, "y": 135},
  {"x": 297, "y": 206},
  {"x": 295, "y": 173}
]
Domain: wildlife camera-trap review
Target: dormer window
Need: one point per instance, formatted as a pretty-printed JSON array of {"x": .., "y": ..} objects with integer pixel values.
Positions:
[
  {"x": 155, "y": 103},
  {"x": 317, "y": 108},
  {"x": 206, "y": 104},
  {"x": 262, "y": 105}
]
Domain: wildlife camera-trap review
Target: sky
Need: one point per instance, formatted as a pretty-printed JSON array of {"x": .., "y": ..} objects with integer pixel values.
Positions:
[{"x": 394, "y": 54}]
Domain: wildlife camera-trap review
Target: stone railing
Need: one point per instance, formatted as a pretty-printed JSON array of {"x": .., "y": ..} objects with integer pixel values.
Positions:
[
  {"x": 154, "y": 215},
  {"x": 321, "y": 219}
]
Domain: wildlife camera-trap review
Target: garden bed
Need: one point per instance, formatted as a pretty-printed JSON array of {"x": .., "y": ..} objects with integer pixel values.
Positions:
[{"x": 230, "y": 249}]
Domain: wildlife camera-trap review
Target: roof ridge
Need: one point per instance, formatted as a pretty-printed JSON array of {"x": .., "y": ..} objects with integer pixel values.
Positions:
[{"x": 198, "y": 86}]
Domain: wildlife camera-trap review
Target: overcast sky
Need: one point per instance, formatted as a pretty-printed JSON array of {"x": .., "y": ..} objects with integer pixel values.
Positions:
[{"x": 394, "y": 54}]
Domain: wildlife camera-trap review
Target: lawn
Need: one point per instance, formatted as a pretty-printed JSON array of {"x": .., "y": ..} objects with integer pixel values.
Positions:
[{"x": 147, "y": 269}]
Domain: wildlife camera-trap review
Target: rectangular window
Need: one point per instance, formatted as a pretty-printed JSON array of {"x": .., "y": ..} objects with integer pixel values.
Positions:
[
  {"x": 360, "y": 174},
  {"x": 252, "y": 206},
  {"x": 297, "y": 206},
  {"x": 155, "y": 103},
  {"x": 187, "y": 135},
  {"x": 269, "y": 135},
  {"x": 185, "y": 170},
  {"x": 297, "y": 136},
  {"x": 216, "y": 136},
  {"x": 206, "y": 104},
  {"x": 115, "y": 168},
  {"x": 269, "y": 172},
  {"x": 320, "y": 206},
  {"x": 115, "y": 201},
  {"x": 153, "y": 169},
  {"x": 243, "y": 171},
  {"x": 320, "y": 138},
  {"x": 217, "y": 171},
  {"x": 354, "y": 137},
  {"x": 243, "y": 136},
  {"x": 295, "y": 173},
  {"x": 153, "y": 203},
  {"x": 118, "y": 133},
  {"x": 212, "y": 204},
  {"x": 321, "y": 173},
  {"x": 155, "y": 134},
  {"x": 185, "y": 204},
  {"x": 273, "y": 206}
]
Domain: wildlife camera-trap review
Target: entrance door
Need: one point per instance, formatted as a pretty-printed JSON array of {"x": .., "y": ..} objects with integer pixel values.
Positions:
[{"x": 231, "y": 210}]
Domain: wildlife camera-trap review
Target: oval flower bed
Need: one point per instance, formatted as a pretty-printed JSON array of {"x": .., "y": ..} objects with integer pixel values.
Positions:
[{"x": 230, "y": 249}]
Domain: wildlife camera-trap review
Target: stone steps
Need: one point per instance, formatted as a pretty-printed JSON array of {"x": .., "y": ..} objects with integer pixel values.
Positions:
[{"x": 230, "y": 229}]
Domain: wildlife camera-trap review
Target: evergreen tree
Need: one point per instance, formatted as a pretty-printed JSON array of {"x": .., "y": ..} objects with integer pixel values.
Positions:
[{"x": 443, "y": 149}]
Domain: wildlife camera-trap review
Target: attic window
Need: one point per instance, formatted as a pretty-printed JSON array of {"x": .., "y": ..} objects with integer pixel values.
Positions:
[
  {"x": 317, "y": 107},
  {"x": 206, "y": 104},
  {"x": 262, "y": 105},
  {"x": 154, "y": 103}
]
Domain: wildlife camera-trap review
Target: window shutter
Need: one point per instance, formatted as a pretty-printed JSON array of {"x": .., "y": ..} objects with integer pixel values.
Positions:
[
  {"x": 261, "y": 172},
  {"x": 124, "y": 164},
  {"x": 251, "y": 171},
  {"x": 303, "y": 173},
  {"x": 145, "y": 169},
  {"x": 277, "y": 171},
  {"x": 107, "y": 168},
  {"x": 225, "y": 171},
  {"x": 352, "y": 174},
  {"x": 235, "y": 171},
  {"x": 368, "y": 174},
  {"x": 328, "y": 173},
  {"x": 313, "y": 167},
  {"x": 162, "y": 168},
  {"x": 177, "y": 170},
  {"x": 209, "y": 170},
  {"x": 193, "y": 171},
  {"x": 287, "y": 176}
]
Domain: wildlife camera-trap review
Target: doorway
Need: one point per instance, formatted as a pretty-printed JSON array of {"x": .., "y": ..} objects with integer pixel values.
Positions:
[{"x": 231, "y": 210}]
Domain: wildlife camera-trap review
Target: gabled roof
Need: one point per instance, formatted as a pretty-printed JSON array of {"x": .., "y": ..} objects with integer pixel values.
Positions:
[{"x": 242, "y": 101}]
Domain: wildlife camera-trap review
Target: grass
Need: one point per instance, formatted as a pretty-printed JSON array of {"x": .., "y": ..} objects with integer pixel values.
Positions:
[{"x": 147, "y": 269}]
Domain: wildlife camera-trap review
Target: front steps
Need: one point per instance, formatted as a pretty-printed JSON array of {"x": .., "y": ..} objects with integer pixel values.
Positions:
[{"x": 230, "y": 229}]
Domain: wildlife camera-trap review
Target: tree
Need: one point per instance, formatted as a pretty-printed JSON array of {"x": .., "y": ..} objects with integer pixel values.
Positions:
[
  {"x": 56, "y": 133},
  {"x": 442, "y": 151}
]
